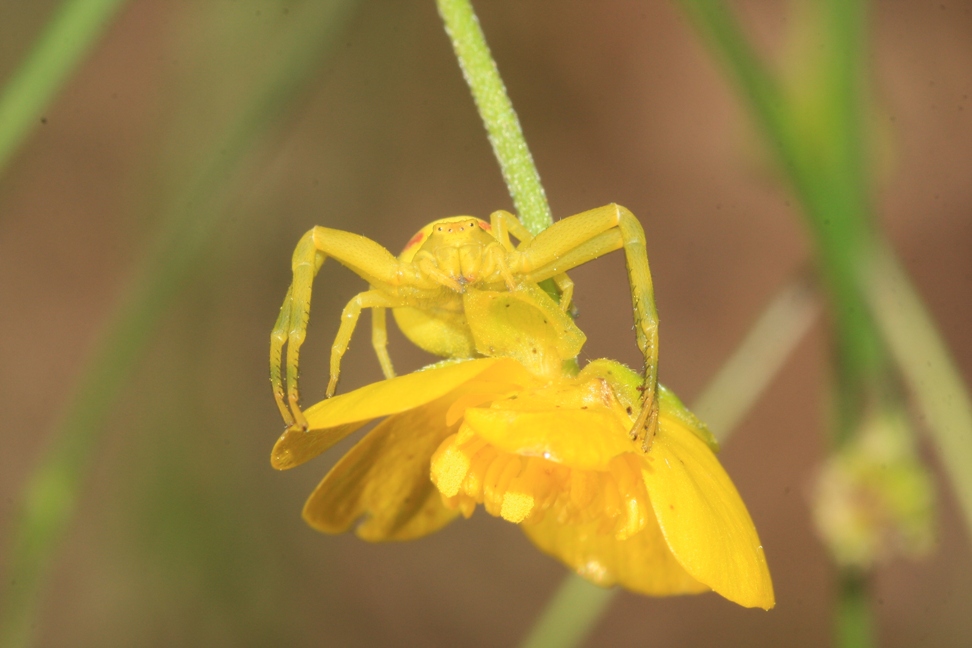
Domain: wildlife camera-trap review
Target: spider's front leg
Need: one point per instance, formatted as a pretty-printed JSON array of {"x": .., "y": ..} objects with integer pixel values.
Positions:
[
  {"x": 378, "y": 301},
  {"x": 361, "y": 255},
  {"x": 584, "y": 237},
  {"x": 503, "y": 224}
]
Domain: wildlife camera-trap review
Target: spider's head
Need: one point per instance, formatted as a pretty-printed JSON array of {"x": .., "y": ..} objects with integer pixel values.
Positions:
[{"x": 457, "y": 245}]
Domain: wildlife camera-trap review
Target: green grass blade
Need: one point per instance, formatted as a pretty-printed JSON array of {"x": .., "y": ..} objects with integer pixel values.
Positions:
[
  {"x": 821, "y": 149},
  {"x": 877, "y": 312},
  {"x": 49, "y": 500},
  {"x": 719, "y": 27},
  {"x": 62, "y": 46}
]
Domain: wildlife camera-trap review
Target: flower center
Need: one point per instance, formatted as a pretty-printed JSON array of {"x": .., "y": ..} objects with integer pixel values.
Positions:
[{"x": 468, "y": 470}]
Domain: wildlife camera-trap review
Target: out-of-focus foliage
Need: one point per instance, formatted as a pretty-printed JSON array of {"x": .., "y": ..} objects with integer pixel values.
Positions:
[{"x": 185, "y": 536}]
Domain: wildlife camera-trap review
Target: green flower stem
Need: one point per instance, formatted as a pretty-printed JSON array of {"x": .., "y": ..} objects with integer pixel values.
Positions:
[
  {"x": 853, "y": 619},
  {"x": 570, "y": 615},
  {"x": 578, "y": 605},
  {"x": 64, "y": 43},
  {"x": 188, "y": 225},
  {"x": 496, "y": 111},
  {"x": 840, "y": 212}
]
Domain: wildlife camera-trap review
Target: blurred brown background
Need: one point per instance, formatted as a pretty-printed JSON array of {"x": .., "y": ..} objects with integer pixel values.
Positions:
[{"x": 186, "y": 536}]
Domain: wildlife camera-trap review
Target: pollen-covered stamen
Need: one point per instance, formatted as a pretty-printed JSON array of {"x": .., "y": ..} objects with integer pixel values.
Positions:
[{"x": 467, "y": 470}]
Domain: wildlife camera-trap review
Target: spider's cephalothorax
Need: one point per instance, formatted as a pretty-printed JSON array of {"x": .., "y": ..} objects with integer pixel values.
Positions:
[
  {"x": 457, "y": 252},
  {"x": 461, "y": 288}
]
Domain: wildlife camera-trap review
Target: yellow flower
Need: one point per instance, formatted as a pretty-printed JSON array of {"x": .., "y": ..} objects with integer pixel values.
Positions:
[{"x": 552, "y": 455}]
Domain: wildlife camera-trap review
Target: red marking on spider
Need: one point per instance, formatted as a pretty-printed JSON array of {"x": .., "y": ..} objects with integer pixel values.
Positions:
[
  {"x": 486, "y": 226},
  {"x": 415, "y": 240}
]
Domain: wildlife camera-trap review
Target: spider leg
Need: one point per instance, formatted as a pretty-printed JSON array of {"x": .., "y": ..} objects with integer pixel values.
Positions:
[
  {"x": 578, "y": 239},
  {"x": 504, "y": 223},
  {"x": 364, "y": 257},
  {"x": 278, "y": 337},
  {"x": 566, "y": 288},
  {"x": 379, "y": 340},
  {"x": 349, "y": 319},
  {"x": 426, "y": 264},
  {"x": 500, "y": 222}
]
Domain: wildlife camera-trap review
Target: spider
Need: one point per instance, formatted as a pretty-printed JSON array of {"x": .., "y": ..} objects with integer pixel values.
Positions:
[{"x": 461, "y": 288}]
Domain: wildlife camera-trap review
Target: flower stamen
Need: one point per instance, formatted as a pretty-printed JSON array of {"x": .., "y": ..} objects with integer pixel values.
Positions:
[{"x": 468, "y": 471}]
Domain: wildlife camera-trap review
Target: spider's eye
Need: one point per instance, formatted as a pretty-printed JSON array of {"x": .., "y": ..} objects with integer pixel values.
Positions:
[{"x": 440, "y": 229}]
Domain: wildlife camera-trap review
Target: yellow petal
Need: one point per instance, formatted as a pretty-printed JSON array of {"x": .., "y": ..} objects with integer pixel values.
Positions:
[
  {"x": 575, "y": 422},
  {"x": 333, "y": 419},
  {"x": 586, "y": 439},
  {"x": 641, "y": 563},
  {"x": 295, "y": 446},
  {"x": 384, "y": 480},
  {"x": 671, "y": 406},
  {"x": 703, "y": 518},
  {"x": 627, "y": 385}
]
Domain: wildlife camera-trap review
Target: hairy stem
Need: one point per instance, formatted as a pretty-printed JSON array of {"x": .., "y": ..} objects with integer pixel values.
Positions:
[{"x": 496, "y": 111}]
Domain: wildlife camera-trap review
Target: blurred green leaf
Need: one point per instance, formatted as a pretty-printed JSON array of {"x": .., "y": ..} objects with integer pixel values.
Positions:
[
  {"x": 814, "y": 118},
  {"x": 64, "y": 44},
  {"x": 927, "y": 366},
  {"x": 188, "y": 222}
]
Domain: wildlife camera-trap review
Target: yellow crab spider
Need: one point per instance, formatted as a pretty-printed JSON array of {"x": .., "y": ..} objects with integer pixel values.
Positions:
[{"x": 434, "y": 281}]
